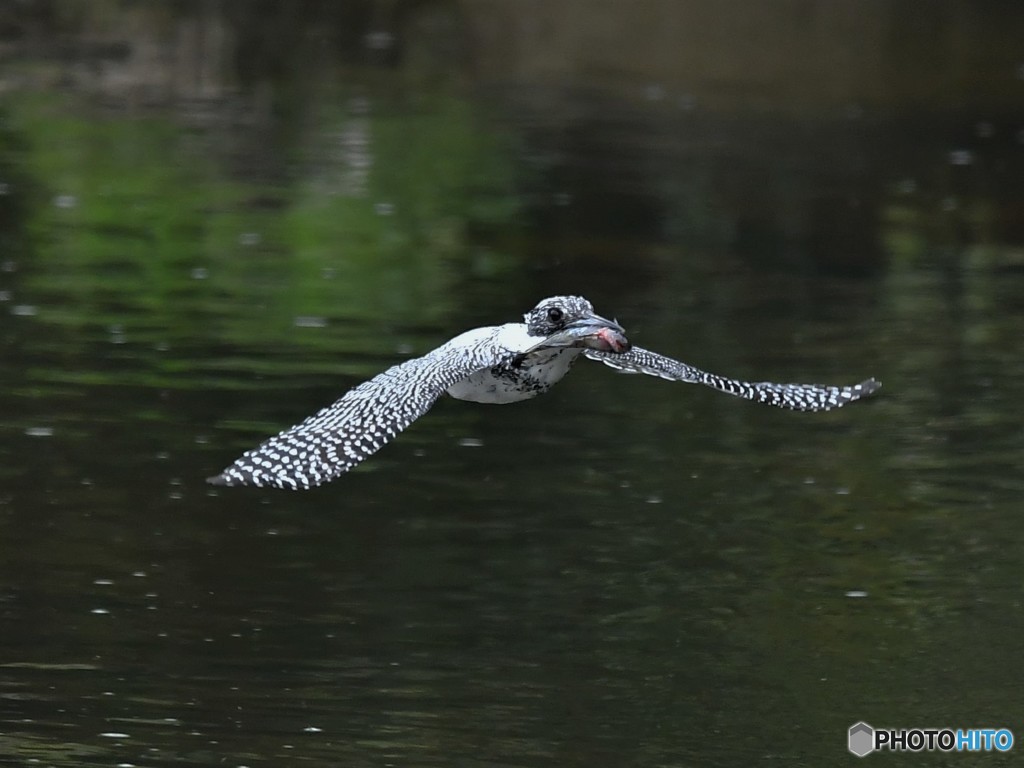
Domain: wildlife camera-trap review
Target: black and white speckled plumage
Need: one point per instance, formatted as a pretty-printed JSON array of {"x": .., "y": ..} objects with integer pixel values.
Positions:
[
  {"x": 497, "y": 364},
  {"x": 340, "y": 436},
  {"x": 796, "y": 397}
]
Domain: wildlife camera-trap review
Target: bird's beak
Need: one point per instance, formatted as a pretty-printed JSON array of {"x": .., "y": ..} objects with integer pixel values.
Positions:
[
  {"x": 591, "y": 332},
  {"x": 595, "y": 322}
]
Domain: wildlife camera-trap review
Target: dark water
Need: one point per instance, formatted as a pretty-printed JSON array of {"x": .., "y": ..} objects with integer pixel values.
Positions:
[{"x": 623, "y": 572}]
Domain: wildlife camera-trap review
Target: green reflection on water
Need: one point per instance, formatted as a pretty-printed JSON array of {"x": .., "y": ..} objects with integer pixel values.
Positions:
[{"x": 143, "y": 232}]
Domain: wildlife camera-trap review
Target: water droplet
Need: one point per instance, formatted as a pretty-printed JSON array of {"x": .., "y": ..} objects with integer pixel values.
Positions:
[
  {"x": 99, "y": 611},
  {"x": 379, "y": 41},
  {"x": 114, "y": 735},
  {"x": 312, "y": 729},
  {"x": 471, "y": 442},
  {"x": 249, "y": 238},
  {"x": 383, "y": 209},
  {"x": 39, "y": 431},
  {"x": 310, "y": 321},
  {"x": 25, "y": 310},
  {"x": 103, "y": 582},
  {"x": 856, "y": 593},
  {"x": 65, "y": 202},
  {"x": 961, "y": 157},
  {"x": 200, "y": 273}
]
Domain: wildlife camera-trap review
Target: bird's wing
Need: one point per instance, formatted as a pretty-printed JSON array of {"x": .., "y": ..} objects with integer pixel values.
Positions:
[
  {"x": 340, "y": 436},
  {"x": 797, "y": 397}
]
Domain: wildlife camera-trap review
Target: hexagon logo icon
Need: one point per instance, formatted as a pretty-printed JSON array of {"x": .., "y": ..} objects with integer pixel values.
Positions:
[{"x": 861, "y": 739}]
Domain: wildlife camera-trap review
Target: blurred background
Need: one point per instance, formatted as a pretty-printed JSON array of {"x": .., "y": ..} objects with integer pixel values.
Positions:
[{"x": 216, "y": 216}]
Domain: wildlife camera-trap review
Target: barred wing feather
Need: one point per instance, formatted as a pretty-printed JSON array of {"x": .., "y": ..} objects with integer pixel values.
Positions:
[
  {"x": 356, "y": 426},
  {"x": 797, "y": 397}
]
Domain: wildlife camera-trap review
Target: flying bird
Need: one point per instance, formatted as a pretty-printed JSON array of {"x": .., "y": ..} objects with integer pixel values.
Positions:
[{"x": 494, "y": 364}]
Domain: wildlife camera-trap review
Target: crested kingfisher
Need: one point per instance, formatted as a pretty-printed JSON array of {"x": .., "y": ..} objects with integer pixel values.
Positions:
[{"x": 494, "y": 364}]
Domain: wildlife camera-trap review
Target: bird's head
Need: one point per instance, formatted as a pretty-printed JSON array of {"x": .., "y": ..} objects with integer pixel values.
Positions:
[{"x": 570, "y": 321}]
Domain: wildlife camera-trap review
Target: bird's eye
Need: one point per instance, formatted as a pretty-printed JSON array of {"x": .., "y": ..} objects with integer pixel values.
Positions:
[{"x": 555, "y": 315}]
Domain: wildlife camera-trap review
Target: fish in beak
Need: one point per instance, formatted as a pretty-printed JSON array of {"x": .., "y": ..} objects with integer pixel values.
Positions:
[{"x": 591, "y": 332}]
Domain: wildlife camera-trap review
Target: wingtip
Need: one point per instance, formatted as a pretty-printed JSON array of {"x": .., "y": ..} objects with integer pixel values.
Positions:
[{"x": 870, "y": 386}]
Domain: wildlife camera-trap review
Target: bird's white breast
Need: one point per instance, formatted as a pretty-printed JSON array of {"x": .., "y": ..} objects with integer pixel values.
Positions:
[{"x": 539, "y": 371}]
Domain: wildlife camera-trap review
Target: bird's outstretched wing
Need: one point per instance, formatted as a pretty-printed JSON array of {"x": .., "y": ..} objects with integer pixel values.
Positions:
[
  {"x": 797, "y": 397},
  {"x": 355, "y": 427}
]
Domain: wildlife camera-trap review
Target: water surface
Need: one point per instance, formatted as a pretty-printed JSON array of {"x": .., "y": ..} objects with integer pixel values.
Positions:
[{"x": 623, "y": 572}]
